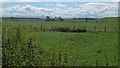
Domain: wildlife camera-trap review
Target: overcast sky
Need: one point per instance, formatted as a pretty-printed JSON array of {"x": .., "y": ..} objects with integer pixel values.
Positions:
[
  {"x": 59, "y": 0},
  {"x": 93, "y": 8}
]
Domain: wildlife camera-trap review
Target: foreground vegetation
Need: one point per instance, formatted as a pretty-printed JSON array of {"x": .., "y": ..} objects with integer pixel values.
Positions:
[{"x": 26, "y": 42}]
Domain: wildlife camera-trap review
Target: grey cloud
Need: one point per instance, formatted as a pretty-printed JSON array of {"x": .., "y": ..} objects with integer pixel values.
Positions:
[{"x": 87, "y": 9}]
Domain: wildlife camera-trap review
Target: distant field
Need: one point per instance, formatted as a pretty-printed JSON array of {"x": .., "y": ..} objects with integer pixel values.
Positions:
[
  {"x": 110, "y": 24},
  {"x": 54, "y": 48}
]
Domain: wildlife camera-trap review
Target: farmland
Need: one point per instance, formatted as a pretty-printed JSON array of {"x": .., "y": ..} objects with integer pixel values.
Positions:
[{"x": 43, "y": 45}]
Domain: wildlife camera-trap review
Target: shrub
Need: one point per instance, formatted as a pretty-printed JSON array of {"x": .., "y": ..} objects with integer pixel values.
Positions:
[
  {"x": 66, "y": 29},
  {"x": 79, "y": 30}
]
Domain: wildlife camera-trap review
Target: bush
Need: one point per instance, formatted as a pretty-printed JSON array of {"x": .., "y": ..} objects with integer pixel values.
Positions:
[
  {"x": 66, "y": 29},
  {"x": 79, "y": 30}
]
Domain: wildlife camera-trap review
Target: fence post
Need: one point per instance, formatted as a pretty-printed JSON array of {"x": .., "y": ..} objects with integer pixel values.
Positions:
[
  {"x": 30, "y": 26},
  {"x": 105, "y": 29},
  {"x": 19, "y": 26},
  {"x": 84, "y": 28},
  {"x": 115, "y": 29},
  {"x": 41, "y": 27},
  {"x": 52, "y": 28},
  {"x": 94, "y": 29}
]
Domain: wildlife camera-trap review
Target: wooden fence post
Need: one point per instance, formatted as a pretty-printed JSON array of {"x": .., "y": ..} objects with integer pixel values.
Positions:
[
  {"x": 94, "y": 29},
  {"x": 84, "y": 27},
  {"x": 105, "y": 29},
  {"x": 19, "y": 26},
  {"x": 30, "y": 26},
  {"x": 51, "y": 27},
  {"x": 41, "y": 27},
  {"x": 115, "y": 29}
]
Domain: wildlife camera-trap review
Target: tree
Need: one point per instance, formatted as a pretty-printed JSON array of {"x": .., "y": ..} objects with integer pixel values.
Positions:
[
  {"x": 59, "y": 18},
  {"x": 47, "y": 18}
]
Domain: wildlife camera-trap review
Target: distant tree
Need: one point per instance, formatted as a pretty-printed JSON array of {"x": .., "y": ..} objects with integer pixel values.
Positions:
[
  {"x": 47, "y": 18},
  {"x": 55, "y": 17},
  {"x": 11, "y": 17},
  {"x": 52, "y": 19},
  {"x": 60, "y": 18}
]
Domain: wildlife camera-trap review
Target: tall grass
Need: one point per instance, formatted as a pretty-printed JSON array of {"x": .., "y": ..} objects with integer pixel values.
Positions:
[{"x": 19, "y": 51}]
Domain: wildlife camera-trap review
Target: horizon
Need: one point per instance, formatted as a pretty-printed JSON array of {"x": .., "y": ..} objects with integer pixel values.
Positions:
[{"x": 54, "y": 17}]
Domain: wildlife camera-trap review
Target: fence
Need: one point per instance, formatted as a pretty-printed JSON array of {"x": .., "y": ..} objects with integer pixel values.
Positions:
[{"x": 67, "y": 29}]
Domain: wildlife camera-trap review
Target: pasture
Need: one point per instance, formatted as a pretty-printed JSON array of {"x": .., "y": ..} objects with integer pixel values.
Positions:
[{"x": 34, "y": 42}]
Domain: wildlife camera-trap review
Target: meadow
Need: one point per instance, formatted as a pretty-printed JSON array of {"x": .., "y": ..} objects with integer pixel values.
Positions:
[{"x": 38, "y": 42}]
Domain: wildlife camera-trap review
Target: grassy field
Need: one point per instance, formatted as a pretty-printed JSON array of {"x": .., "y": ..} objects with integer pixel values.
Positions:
[
  {"x": 96, "y": 47},
  {"x": 109, "y": 23}
]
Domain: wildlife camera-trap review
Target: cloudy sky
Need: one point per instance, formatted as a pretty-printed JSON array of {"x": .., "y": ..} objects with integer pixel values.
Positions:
[
  {"x": 59, "y": 0},
  {"x": 33, "y": 8}
]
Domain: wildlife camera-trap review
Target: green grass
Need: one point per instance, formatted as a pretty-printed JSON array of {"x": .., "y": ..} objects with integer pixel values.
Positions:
[
  {"x": 84, "y": 49},
  {"x": 85, "y": 45},
  {"x": 36, "y": 23}
]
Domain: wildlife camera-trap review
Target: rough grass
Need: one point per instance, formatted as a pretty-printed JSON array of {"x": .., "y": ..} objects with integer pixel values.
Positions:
[
  {"x": 85, "y": 45},
  {"x": 81, "y": 49},
  {"x": 110, "y": 24}
]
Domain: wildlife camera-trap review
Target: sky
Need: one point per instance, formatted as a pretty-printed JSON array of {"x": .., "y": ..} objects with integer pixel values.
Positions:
[
  {"x": 59, "y": 0},
  {"x": 56, "y": 8}
]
